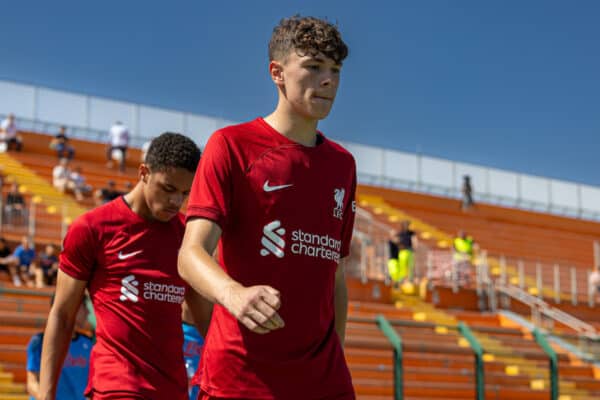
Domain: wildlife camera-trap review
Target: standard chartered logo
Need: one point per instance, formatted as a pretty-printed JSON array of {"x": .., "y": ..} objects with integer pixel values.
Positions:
[
  {"x": 301, "y": 243},
  {"x": 272, "y": 240},
  {"x": 151, "y": 291},
  {"x": 129, "y": 290}
]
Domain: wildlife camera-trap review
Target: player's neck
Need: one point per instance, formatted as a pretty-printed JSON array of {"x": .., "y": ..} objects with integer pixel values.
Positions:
[
  {"x": 293, "y": 126},
  {"x": 136, "y": 201}
]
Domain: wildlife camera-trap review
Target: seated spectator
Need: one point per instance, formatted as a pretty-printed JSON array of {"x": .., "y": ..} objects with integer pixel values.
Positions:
[
  {"x": 118, "y": 141},
  {"x": 80, "y": 187},
  {"x": 22, "y": 258},
  {"x": 128, "y": 187},
  {"x": 8, "y": 134},
  {"x": 62, "y": 179},
  {"x": 74, "y": 373},
  {"x": 15, "y": 206},
  {"x": 107, "y": 193},
  {"x": 60, "y": 143},
  {"x": 45, "y": 268},
  {"x": 7, "y": 264}
]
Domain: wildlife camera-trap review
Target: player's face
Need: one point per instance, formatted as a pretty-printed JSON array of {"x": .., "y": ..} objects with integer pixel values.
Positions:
[
  {"x": 165, "y": 192},
  {"x": 310, "y": 84}
]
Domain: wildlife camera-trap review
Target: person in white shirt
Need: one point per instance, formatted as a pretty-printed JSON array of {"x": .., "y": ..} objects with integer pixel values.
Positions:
[
  {"x": 594, "y": 282},
  {"x": 69, "y": 181},
  {"x": 8, "y": 133},
  {"x": 118, "y": 142}
]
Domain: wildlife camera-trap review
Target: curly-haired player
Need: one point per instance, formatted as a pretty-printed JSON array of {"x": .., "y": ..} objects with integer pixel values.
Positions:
[
  {"x": 278, "y": 198},
  {"x": 125, "y": 253}
]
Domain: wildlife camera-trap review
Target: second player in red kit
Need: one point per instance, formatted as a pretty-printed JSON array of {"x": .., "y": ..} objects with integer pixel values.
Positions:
[
  {"x": 125, "y": 254},
  {"x": 278, "y": 197}
]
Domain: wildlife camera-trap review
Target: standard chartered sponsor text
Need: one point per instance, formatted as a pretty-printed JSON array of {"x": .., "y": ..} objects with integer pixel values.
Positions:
[
  {"x": 315, "y": 245},
  {"x": 163, "y": 292}
]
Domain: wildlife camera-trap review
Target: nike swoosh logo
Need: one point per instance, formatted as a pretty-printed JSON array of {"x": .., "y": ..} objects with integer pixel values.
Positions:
[
  {"x": 128, "y": 255},
  {"x": 268, "y": 188}
]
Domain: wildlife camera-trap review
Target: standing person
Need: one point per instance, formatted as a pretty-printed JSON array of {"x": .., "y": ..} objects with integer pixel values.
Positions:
[
  {"x": 278, "y": 197},
  {"x": 405, "y": 241},
  {"x": 74, "y": 375},
  {"x": 467, "y": 193},
  {"x": 118, "y": 141},
  {"x": 125, "y": 253}
]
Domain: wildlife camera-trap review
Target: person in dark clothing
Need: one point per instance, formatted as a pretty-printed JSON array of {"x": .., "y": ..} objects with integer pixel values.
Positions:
[
  {"x": 401, "y": 267},
  {"x": 60, "y": 143},
  {"x": 15, "y": 205},
  {"x": 467, "y": 193}
]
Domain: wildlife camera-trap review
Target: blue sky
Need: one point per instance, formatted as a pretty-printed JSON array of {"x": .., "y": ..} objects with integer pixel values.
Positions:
[{"x": 508, "y": 84}]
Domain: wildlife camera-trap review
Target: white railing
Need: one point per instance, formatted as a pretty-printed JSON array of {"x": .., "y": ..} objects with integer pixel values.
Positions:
[{"x": 90, "y": 116}]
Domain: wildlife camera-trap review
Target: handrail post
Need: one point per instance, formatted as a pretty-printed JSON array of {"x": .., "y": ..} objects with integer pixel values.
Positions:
[
  {"x": 521, "y": 267},
  {"x": 556, "y": 283},
  {"x": 538, "y": 280},
  {"x": 541, "y": 340},
  {"x": 478, "y": 350},
  {"x": 573, "y": 286},
  {"x": 396, "y": 343}
]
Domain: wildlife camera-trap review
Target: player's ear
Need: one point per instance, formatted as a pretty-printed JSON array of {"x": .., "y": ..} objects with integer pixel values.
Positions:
[
  {"x": 276, "y": 72},
  {"x": 143, "y": 172}
]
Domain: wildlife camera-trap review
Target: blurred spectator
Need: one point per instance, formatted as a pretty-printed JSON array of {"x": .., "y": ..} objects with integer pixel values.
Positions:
[
  {"x": 80, "y": 187},
  {"x": 107, "y": 193},
  {"x": 45, "y": 268},
  {"x": 7, "y": 262},
  {"x": 15, "y": 206},
  {"x": 128, "y": 187},
  {"x": 402, "y": 268},
  {"x": 117, "y": 145},
  {"x": 467, "y": 193},
  {"x": 60, "y": 143},
  {"x": 8, "y": 134},
  {"x": 74, "y": 373},
  {"x": 464, "y": 248},
  {"x": 22, "y": 258},
  {"x": 62, "y": 179}
]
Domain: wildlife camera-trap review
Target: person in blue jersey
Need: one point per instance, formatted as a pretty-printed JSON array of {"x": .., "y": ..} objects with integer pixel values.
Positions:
[
  {"x": 74, "y": 376},
  {"x": 192, "y": 348}
]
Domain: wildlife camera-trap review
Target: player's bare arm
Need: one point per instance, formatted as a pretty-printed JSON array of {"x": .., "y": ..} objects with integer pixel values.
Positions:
[
  {"x": 57, "y": 336},
  {"x": 255, "y": 306},
  {"x": 200, "y": 310},
  {"x": 341, "y": 301},
  {"x": 33, "y": 384}
]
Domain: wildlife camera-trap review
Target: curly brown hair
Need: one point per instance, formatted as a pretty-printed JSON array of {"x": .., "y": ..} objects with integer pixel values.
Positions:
[{"x": 307, "y": 36}]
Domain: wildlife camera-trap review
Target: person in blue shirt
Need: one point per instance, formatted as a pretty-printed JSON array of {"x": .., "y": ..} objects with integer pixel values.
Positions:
[
  {"x": 192, "y": 348},
  {"x": 74, "y": 376},
  {"x": 22, "y": 258}
]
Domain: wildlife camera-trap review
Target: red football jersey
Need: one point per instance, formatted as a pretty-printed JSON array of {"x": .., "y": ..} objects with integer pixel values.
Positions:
[
  {"x": 287, "y": 213},
  {"x": 131, "y": 267}
]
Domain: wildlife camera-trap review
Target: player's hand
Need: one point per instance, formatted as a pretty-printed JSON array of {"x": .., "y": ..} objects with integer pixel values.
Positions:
[{"x": 255, "y": 307}]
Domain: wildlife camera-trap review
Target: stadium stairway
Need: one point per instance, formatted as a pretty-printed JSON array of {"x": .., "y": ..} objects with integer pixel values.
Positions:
[{"x": 515, "y": 367}]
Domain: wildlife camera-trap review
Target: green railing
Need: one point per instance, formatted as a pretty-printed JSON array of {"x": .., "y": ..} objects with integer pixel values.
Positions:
[
  {"x": 478, "y": 350},
  {"x": 541, "y": 340},
  {"x": 396, "y": 342}
]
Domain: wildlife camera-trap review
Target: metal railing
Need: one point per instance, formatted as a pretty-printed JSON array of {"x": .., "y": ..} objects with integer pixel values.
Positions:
[
  {"x": 553, "y": 362},
  {"x": 396, "y": 342},
  {"x": 478, "y": 352}
]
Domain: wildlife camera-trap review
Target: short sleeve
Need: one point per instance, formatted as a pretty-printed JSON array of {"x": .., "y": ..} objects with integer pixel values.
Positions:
[
  {"x": 34, "y": 353},
  {"x": 349, "y": 214},
  {"x": 78, "y": 257},
  {"x": 211, "y": 192}
]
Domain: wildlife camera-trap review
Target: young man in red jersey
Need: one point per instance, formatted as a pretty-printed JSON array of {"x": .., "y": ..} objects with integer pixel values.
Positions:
[
  {"x": 125, "y": 253},
  {"x": 278, "y": 198}
]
